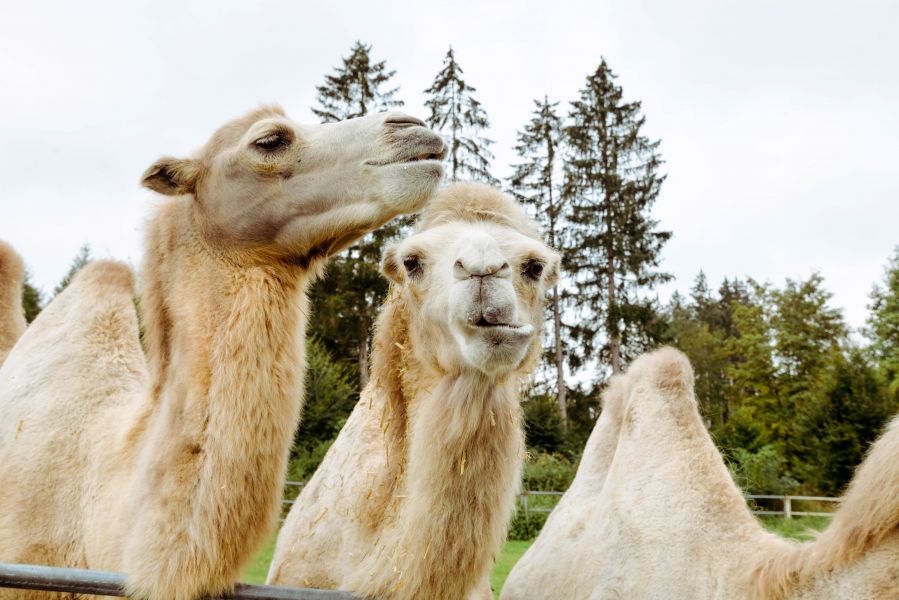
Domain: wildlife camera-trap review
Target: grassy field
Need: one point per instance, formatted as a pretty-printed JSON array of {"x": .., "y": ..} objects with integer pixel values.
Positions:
[
  {"x": 512, "y": 551},
  {"x": 258, "y": 568},
  {"x": 800, "y": 528}
]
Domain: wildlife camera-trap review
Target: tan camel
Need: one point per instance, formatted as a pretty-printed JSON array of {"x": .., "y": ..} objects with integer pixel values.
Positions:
[
  {"x": 653, "y": 513},
  {"x": 170, "y": 468},
  {"x": 414, "y": 497},
  {"x": 12, "y": 319}
]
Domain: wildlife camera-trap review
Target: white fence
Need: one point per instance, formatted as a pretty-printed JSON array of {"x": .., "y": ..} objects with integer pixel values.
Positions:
[
  {"x": 787, "y": 510},
  {"x": 542, "y": 502}
]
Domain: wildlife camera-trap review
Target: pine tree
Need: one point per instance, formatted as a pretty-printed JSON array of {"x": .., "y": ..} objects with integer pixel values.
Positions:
[
  {"x": 81, "y": 259},
  {"x": 612, "y": 180},
  {"x": 461, "y": 119},
  {"x": 354, "y": 90},
  {"x": 346, "y": 299},
  {"x": 883, "y": 323},
  {"x": 536, "y": 183}
]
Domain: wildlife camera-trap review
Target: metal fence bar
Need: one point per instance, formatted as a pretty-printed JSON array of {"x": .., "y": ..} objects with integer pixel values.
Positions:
[{"x": 105, "y": 583}]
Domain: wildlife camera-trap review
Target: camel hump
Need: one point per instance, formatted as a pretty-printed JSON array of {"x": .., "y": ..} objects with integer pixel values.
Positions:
[
  {"x": 105, "y": 275},
  {"x": 12, "y": 269},
  {"x": 666, "y": 369},
  {"x": 661, "y": 378},
  {"x": 100, "y": 295}
]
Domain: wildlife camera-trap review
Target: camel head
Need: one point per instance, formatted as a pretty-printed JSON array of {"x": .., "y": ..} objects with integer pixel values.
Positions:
[
  {"x": 268, "y": 184},
  {"x": 474, "y": 276}
]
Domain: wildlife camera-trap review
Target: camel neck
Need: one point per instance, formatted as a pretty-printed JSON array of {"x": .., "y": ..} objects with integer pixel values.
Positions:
[
  {"x": 463, "y": 449},
  {"x": 224, "y": 344}
]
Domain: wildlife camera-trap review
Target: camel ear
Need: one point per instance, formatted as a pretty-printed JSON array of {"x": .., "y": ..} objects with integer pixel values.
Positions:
[
  {"x": 172, "y": 176},
  {"x": 552, "y": 273},
  {"x": 390, "y": 266}
]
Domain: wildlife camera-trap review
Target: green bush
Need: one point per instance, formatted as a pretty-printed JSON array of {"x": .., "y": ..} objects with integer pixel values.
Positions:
[
  {"x": 761, "y": 472},
  {"x": 526, "y": 526},
  {"x": 306, "y": 461},
  {"x": 548, "y": 473}
]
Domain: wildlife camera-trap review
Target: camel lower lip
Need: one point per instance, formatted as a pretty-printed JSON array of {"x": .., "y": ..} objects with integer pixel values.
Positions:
[{"x": 503, "y": 334}]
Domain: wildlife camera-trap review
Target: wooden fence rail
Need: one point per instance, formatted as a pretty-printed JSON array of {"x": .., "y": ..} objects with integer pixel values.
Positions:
[{"x": 81, "y": 581}]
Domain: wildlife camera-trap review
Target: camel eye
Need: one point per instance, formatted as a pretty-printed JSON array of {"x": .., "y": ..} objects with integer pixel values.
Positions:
[
  {"x": 413, "y": 265},
  {"x": 532, "y": 269},
  {"x": 272, "y": 142}
]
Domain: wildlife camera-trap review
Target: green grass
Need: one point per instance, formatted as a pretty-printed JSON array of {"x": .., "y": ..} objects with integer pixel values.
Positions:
[
  {"x": 509, "y": 555},
  {"x": 798, "y": 528},
  {"x": 511, "y": 552},
  {"x": 258, "y": 568}
]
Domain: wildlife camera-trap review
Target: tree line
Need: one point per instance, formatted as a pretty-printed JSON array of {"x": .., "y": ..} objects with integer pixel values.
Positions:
[{"x": 790, "y": 397}]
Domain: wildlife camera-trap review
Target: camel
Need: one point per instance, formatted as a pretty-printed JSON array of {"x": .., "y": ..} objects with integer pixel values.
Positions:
[
  {"x": 168, "y": 463},
  {"x": 414, "y": 497},
  {"x": 12, "y": 319},
  {"x": 654, "y": 513}
]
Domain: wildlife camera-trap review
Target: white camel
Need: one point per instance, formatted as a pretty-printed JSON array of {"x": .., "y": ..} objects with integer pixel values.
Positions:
[
  {"x": 653, "y": 513},
  {"x": 170, "y": 467},
  {"x": 414, "y": 497},
  {"x": 12, "y": 319}
]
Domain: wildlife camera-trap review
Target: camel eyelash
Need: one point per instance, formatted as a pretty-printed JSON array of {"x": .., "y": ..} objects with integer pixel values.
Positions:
[{"x": 274, "y": 141}]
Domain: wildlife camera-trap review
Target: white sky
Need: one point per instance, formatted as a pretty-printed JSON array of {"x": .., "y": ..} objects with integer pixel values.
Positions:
[{"x": 778, "y": 120}]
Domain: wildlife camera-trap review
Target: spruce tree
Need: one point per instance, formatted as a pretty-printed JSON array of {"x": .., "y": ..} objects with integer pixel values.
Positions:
[
  {"x": 612, "y": 180},
  {"x": 883, "y": 323},
  {"x": 345, "y": 301},
  {"x": 536, "y": 182},
  {"x": 354, "y": 90},
  {"x": 461, "y": 119}
]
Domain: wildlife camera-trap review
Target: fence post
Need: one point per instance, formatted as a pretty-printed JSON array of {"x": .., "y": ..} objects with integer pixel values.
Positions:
[
  {"x": 788, "y": 507},
  {"x": 524, "y": 501}
]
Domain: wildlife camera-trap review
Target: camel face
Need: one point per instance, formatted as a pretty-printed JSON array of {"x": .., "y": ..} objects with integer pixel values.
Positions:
[
  {"x": 266, "y": 182},
  {"x": 478, "y": 288}
]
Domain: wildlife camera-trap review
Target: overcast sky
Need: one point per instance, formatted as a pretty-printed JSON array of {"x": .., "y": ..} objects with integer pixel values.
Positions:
[{"x": 779, "y": 120}]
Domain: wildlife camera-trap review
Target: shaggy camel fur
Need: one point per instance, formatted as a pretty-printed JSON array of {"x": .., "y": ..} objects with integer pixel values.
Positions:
[
  {"x": 654, "y": 513},
  {"x": 12, "y": 319},
  {"x": 414, "y": 497},
  {"x": 170, "y": 468}
]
